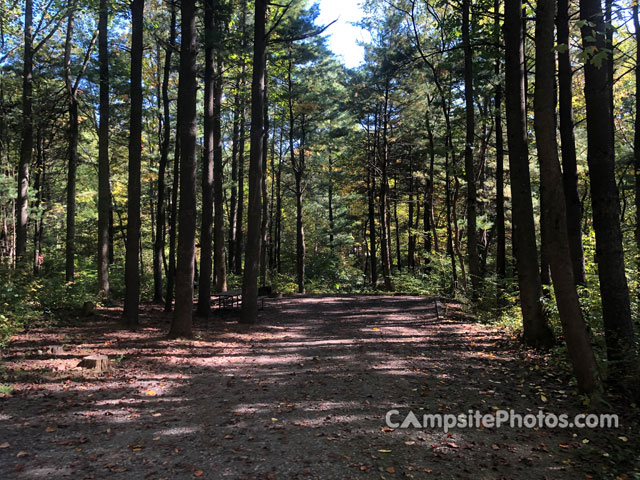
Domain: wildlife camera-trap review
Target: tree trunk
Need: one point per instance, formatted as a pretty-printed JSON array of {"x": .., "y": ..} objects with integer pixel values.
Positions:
[
  {"x": 301, "y": 248},
  {"x": 219, "y": 261},
  {"x": 553, "y": 211},
  {"x": 249, "y": 312},
  {"x": 411, "y": 241},
  {"x": 395, "y": 220},
  {"x": 371, "y": 190},
  {"x": 536, "y": 329},
  {"x": 264, "y": 221},
  {"x": 469, "y": 170},
  {"x": 569, "y": 166},
  {"x": 158, "y": 247},
  {"x": 181, "y": 325},
  {"x": 636, "y": 138},
  {"x": 616, "y": 311},
  {"x": 132, "y": 272},
  {"x": 206, "y": 226},
  {"x": 173, "y": 217},
  {"x": 38, "y": 187},
  {"x": 384, "y": 204},
  {"x": 501, "y": 250},
  {"x": 330, "y": 198},
  {"x": 278, "y": 226},
  {"x": 239, "y": 248},
  {"x": 72, "y": 136},
  {"x": 26, "y": 146},
  {"x": 430, "y": 236},
  {"x": 104, "y": 202},
  {"x": 233, "y": 199}
]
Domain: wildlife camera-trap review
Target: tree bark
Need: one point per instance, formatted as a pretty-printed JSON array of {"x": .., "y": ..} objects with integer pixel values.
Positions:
[
  {"x": 104, "y": 193},
  {"x": 219, "y": 260},
  {"x": 371, "y": 190},
  {"x": 299, "y": 172},
  {"x": 26, "y": 145},
  {"x": 568, "y": 146},
  {"x": 173, "y": 217},
  {"x": 636, "y": 138},
  {"x": 536, "y": 328},
  {"x": 616, "y": 311},
  {"x": 469, "y": 170},
  {"x": 132, "y": 272},
  {"x": 574, "y": 328},
  {"x": 72, "y": 166},
  {"x": 181, "y": 325},
  {"x": 206, "y": 226},
  {"x": 384, "y": 204},
  {"x": 233, "y": 198},
  {"x": 158, "y": 247},
  {"x": 501, "y": 250},
  {"x": 264, "y": 221},
  {"x": 249, "y": 312},
  {"x": 239, "y": 247}
]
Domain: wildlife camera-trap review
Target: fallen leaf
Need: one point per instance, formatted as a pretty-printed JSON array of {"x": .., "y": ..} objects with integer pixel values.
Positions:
[
  {"x": 5, "y": 445},
  {"x": 50, "y": 429},
  {"x": 150, "y": 393},
  {"x": 624, "y": 439},
  {"x": 390, "y": 470},
  {"x": 384, "y": 451},
  {"x": 198, "y": 473}
]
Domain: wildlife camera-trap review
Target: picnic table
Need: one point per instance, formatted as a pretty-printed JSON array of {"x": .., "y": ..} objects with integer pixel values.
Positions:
[
  {"x": 232, "y": 299},
  {"x": 229, "y": 299}
]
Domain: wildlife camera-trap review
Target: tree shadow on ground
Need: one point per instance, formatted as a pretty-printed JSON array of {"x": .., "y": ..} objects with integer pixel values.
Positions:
[{"x": 303, "y": 394}]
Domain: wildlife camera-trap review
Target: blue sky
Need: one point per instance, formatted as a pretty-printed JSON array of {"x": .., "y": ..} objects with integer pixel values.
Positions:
[{"x": 342, "y": 36}]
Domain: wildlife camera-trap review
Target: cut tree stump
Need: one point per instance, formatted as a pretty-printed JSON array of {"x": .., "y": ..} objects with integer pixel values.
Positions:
[
  {"x": 99, "y": 363},
  {"x": 88, "y": 309}
]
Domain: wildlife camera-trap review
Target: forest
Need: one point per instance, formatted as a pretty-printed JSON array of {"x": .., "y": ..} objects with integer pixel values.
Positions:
[{"x": 159, "y": 157}]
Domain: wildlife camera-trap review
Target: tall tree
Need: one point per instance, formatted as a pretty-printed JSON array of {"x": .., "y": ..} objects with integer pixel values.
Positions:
[
  {"x": 132, "y": 270},
  {"x": 104, "y": 193},
  {"x": 569, "y": 163},
  {"x": 384, "y": 189},
  {"x": 636, "y": 138},
  {"x": 219, "y": 261},
  {"x": 72, "y": 135},
  {"x": 616, "y": 310},
  {"x": 501, "y": 250},
  {"x": 181, "y": 325},
  {"x": 158, "y": 246},
  {"x": 26, "y": 146},
  {"x": 72, "y": 85},
  {"x": 206, "y": 226},
  {"x": 536, "y": 329},
  {"x": 560, "y": 261},
  {"x": 469, "y": 170},
  {"x": 252, "y": 256}
]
